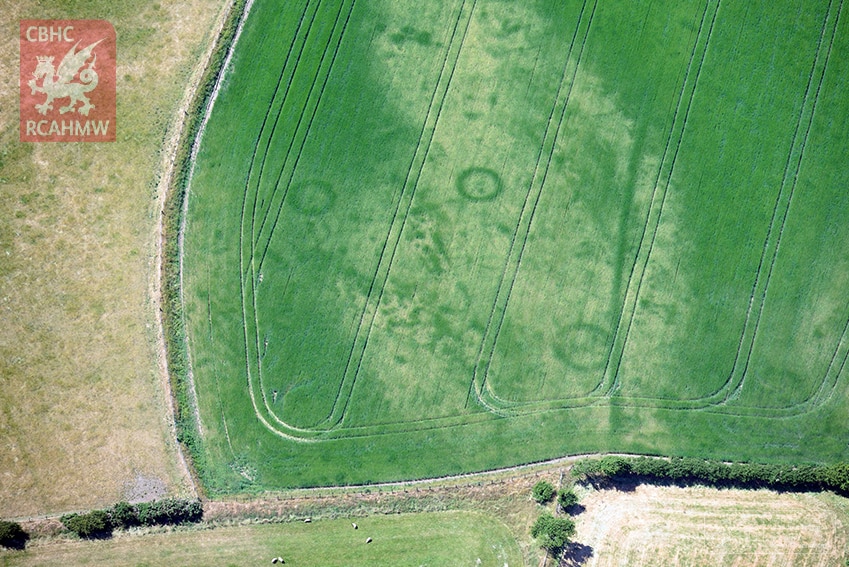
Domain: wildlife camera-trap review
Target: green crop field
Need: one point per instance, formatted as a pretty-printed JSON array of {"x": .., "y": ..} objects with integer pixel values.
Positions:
[{"x": 426, "y": 238}]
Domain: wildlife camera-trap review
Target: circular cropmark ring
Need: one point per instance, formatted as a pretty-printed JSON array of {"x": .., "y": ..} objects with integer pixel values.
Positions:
[
  {"x": 479, "y": 184},
  {"x": 585, "y": 346},
  {"x": 311, "y": 198}
]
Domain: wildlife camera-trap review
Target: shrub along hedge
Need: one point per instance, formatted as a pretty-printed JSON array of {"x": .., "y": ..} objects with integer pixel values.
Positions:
[
  {"x": 100, "y": 523},
  {"x": 542, "y": 492},
  {"x": 717, "y": 473},
  {"x": 91, "y": 525},
  {"x": 12, "y": 535}
]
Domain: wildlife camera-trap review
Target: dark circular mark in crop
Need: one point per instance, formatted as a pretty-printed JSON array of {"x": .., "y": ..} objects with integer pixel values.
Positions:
[
  {"x": 311, "y": 198},
  {"x": 584, "y": 346},
  {"x": 479, "y": 184}
]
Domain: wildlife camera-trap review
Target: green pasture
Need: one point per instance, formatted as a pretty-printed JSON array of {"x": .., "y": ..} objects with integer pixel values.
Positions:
[
  {"x": 433, "y": 238},
  {"x": 445, "y": 538}
]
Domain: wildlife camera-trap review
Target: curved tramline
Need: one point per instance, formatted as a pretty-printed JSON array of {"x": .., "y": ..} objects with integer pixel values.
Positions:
[
  {"x": 252, "y": 340},
  {"x": 433, "y": 239},
  {"x": 731, "y": 388}
]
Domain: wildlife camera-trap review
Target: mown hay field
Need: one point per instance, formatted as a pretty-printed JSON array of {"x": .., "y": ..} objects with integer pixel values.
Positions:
[
  {"x": 656, "y": 525},
  {"x": 433, "y": 238}
]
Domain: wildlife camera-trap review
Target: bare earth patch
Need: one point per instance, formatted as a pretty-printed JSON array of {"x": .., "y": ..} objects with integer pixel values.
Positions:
[{"x": 653, "y": 525}]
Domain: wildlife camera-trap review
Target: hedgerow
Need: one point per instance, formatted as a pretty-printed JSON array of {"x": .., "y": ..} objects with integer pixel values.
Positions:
[
  {"x": 717, "y": 473},
  {"x": 169, "y": 511},
  {"x": 172, "y": 309},
  {"x": 101, "y": 523}
]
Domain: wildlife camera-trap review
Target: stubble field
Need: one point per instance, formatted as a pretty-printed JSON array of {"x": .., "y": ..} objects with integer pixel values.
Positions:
[{"x": 655, "y": 525}]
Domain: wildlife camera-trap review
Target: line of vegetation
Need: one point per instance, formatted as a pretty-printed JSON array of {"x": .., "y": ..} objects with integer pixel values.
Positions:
[
  {"x": 688, "y": 470},
  {"x": 98, "y": 524},
  {"x": 172, "y": 309}
]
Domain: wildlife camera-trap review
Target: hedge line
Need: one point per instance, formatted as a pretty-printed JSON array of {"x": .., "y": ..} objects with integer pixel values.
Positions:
[
  {"x": 101, "y": 523},
  {"x": 717, "y": 473},
  {"x": 172, "y": 309}
]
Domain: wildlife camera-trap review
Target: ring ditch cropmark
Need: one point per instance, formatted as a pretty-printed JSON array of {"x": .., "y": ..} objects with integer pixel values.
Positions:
[{"x": 67, "y": 88}]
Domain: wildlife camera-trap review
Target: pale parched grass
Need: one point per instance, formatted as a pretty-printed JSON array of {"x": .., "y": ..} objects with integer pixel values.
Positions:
[
  {"x": 82, "y": 408},
  {"x": 654, "y": 525}
]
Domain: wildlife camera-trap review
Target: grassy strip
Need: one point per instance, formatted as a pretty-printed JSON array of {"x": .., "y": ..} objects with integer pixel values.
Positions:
[
  {"x": 172, "y": 308},
  {"x": 448, "y": 538}
]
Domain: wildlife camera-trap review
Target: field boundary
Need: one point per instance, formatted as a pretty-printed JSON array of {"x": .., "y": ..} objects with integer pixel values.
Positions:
[{"x": 173, "y": 192}]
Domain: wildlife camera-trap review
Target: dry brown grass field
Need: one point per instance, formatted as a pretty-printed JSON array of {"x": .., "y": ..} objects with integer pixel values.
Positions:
[{"x": 83, "y": 409}]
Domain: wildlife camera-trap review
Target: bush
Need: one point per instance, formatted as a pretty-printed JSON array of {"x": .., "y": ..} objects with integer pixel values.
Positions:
[
  {"x": 836, "y": 477},
  {"x": 12, "y": 535},
  {"x": 543, "y": 492},
  {"x": 94, "y": 524},
  {"x": 169, "y": 511},
  {"x": 123, "y": 515},
  {"x": 553, "y": 534},
  {"x": 567, "y": 498}
]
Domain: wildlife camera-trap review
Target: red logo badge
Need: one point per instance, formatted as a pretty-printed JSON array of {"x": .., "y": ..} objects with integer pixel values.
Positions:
[{"x": 67, "y": 81}]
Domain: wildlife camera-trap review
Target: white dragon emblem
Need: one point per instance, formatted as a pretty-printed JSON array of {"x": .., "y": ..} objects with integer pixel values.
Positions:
[{"x": 58, "y": 84}]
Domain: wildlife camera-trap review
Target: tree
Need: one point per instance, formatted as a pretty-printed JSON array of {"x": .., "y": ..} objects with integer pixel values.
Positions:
[
  {"x": 567, "y": 498},
  {"x": 543, "y": 492},
  {"x": 12, "y": 535},
  {"x": 553, "y": 534}
]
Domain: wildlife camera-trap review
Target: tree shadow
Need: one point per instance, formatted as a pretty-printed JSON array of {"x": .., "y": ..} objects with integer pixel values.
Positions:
[
  {"x": 17, "y": 543},
  {"x": 620, "y": 484},
  {"x": 574, "y": 509},
  {"x": 575, "y": 555},
  {"x": 98, "y": 535}
]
